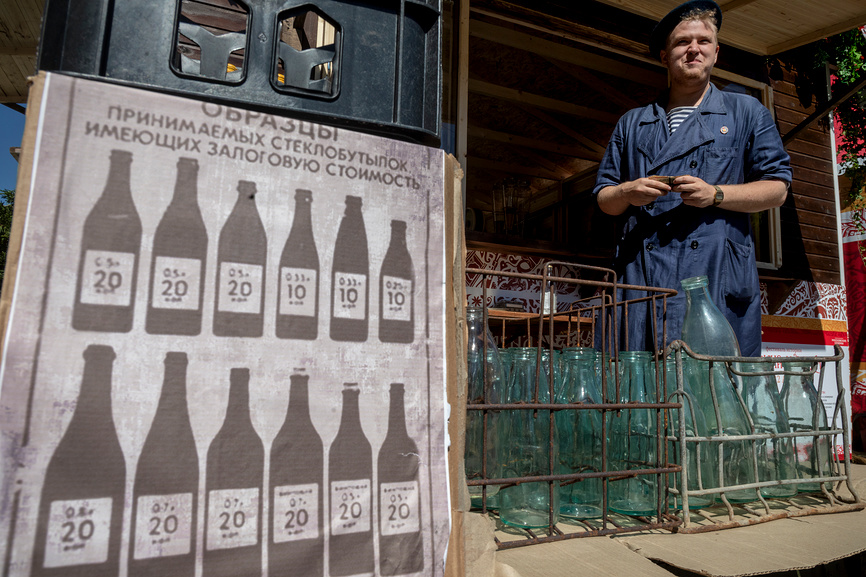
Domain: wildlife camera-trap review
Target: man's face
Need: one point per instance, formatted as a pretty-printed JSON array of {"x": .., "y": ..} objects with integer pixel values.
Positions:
[{"x": 691, "y": 53}]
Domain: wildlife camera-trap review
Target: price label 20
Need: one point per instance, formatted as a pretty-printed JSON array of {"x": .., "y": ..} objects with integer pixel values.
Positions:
[
  {"x": 78, "y": 532},
  {"x": 296, "y": 512},
  {"x": 163, "y": 525},
  {"x": 176, "y": 283},
  {"x": 351, "y": 506},
  {"x": 240, "y": 287},
  {"x": 399, "y": 508},
  {"x": 106, "y": 278},
  {"x": 232, "y": 518}
]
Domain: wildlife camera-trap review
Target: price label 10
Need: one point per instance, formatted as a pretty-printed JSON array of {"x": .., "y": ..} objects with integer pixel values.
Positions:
[
  {"x": 296, "y": 512},
  {"x": 399, "y": 508},
  {"x": 350, "y": 296},
  {"x": 78, "y": 532},
  {"x": 163, "y": 525},
  {"x": 232, "y": 518},
  {"x": 107, "y": 278},
  {"x": 298, "y": 291},
  {"x": 396, "y": 299},
  {"x": 351, "y": 506}
]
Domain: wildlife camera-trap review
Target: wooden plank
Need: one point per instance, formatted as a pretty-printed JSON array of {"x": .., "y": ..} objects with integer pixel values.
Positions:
[
  {"x": 809, "y": 135},
  {"x": 809, "y": 204},
  {"x": 534, "y": 143},
  {"x": 813, "y": 35},
  {"x": 565, "y": 129},
  {"x": 510, "y": 168},
  {"x": 28, "y": 49},
  {"x": 523, "y": 97},
  {"x": 812, "y": 190},
  {"x": 819, "y": 219},
  {"x": 558, "y": 51},
  {"x": 808, "y": 148},
  {"x": 734, "y": 4},
  {"x": 810, "y": 162},
  {"x": 802, "y": 174}
]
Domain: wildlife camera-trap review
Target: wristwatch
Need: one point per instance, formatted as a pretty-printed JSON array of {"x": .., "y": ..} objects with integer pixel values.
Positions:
[{"x": 719, "y": 197}]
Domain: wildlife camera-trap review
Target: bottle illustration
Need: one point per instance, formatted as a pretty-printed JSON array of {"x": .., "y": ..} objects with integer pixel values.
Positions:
[
  {"x": 233, "y": 485},
  {"x": 350, "y": 297},
  {"x": 78, "y": 530},
  {"x": 243, "y": 248},
  {"x": 397, "y": 290},
  {"x": 297, "y": 542},
  {"x": 110, "y": 246},
  {"x": 177, "y": 268},
  {"x": 298, "y": 294},
  {"x": 401, "y": 547},
  {"x": 166, "y": 485},
  {"x": 350, "y": 473}
]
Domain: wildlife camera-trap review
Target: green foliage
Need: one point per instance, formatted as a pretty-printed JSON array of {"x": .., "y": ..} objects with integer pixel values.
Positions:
[{"x": 7, "y": 201}]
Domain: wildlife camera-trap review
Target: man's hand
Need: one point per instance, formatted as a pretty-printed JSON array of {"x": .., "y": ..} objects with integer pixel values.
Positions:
[
  {"x": 614, "y": 200},
  {"x": 694, "y": 191}
]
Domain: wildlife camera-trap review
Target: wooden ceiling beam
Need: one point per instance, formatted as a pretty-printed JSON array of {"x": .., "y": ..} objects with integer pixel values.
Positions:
[
  {"x": 534, "y": 143},
  {"x": 734, "y": 5},
  {"x": 523, "y": 97},
  {"x": 548, "y": 164},
  {"x": 510, "y": 168},
  {"x": 858, "y": 20},
  {"x": 567, "y": 130},
  {"x": 546, "y": 48},
  {"x": 593, "y": 82}
]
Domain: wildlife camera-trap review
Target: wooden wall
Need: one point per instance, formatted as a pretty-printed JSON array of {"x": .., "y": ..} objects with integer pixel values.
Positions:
[{"x": 810, "y": 249}]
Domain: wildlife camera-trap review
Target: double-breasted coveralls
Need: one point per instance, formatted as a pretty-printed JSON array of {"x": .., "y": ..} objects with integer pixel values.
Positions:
[{"x": 729, "y": 139}]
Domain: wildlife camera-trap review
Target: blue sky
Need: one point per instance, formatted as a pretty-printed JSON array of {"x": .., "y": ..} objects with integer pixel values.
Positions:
[{"x": 11, "y": 130}]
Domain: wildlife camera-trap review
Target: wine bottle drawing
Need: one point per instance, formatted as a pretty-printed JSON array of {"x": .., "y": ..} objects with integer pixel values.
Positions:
[
  {"x": 81, "y": 509},
  {"x": 177, "y": 268},
  {"x": 350, "y": 295},
  {"x": 401, "y": 548},
  {"x": 297, "y": 542},
  {"x": 233, "y": 485},
  {"x": 110, "y": 246},
  {"x": 241, "y": 259},
  {"x": 166, "y": 485},
  {"x": 350, "y": 474},
  {"x": 298, "y": 292},
  {"x": 397, "y": 290}
]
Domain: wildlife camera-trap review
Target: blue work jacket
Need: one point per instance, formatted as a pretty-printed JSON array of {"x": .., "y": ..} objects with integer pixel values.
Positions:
[{"x": 729, "y": 139}]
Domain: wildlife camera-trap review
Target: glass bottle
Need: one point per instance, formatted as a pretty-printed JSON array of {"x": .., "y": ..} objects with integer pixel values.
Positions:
[
  {"x": 526, "y": 449},
  {"x": 707, "y": 332},
  {"x": 233, "y": 485},
  {"x": 401, "y": 546},
  {"x": 701, "y": 463},
  {"x": 350, "y": 473},
  {"x": 177, "y": 268},
  {"x": 166, "y": 485},
  {"x": 110, "y": 247},
  {"x": 80, "y": 519},
  {"x": 485, "y": 382},
  {"x": 775, "y": 456},
  {"x": 633, "y": 438},
  {"x": 397, "y": 290},
  {"x": 806, "y": 413},
  {"x": 298, "y": 291},
  {"x": 579, "y": 435},
  {"x": 350, "y": 276},
  {"x": 297, "y": 542},
  {"x": 241, "y": 261}
]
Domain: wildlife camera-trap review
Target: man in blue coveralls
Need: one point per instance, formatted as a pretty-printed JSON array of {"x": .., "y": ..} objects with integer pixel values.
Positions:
[{"x": 728, "y": 160}]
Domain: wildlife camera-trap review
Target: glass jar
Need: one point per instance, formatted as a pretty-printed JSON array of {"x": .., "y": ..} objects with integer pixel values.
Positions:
[
  {"x": 633, "y": 440},
  {"x": 485, "y": 383},
  {"x": 525, "y": 440},
  {"x": 579, "y": 435}
]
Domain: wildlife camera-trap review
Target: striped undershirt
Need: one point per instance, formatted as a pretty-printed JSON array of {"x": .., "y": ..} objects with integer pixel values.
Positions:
[{"x": 677, "y": 115}]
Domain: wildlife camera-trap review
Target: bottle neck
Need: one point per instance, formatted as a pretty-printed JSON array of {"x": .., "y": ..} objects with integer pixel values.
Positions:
[
  {"x": 299, "y": 399},
  {"x": 173, "y": 397},
  {"x": 398, "y": 237},
  {"x": 397, "y": 412},
  {"x": 186, "y": 185},
  {"x": 239, "y": 397},
  {"x": 94, "y": 399},
  {"x": 351, "y": 419},
  {"x": 118, "y": 175}
]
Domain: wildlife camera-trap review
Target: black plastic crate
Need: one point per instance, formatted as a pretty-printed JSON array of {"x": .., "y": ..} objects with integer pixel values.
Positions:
[{"x": 372, "y": 66}]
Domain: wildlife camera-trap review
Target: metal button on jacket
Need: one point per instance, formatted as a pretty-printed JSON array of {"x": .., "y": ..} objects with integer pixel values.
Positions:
[
  {"x": 695, "y": 244},
  {"x": 693, "y": 164},
  {"x": 650, "y": 246},
  {"x": 651, "y": 206}
]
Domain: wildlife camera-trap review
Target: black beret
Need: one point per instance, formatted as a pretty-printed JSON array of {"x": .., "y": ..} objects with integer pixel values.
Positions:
[{"x": 660, "y": 33}]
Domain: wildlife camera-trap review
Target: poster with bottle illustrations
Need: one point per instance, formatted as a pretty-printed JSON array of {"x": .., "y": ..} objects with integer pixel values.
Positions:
[{"x": 224, "y": 353}]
